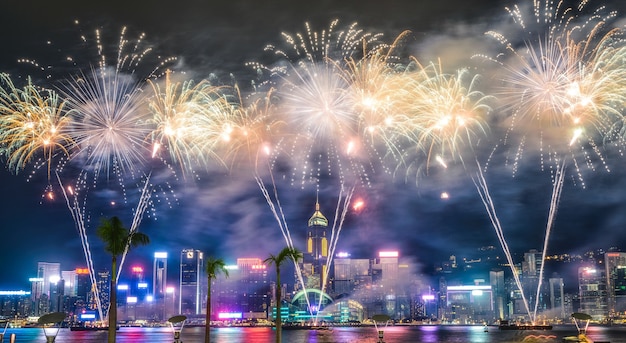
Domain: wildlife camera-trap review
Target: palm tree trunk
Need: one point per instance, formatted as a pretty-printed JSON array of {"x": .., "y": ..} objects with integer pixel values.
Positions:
[
  {"x": 207, "y": 331},
  {"x": 113, "y": 302},
  {"x": 279, "y": 324}
]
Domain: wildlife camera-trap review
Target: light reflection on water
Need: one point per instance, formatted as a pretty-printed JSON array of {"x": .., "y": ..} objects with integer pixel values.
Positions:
[{"x": 393, "y": 334}]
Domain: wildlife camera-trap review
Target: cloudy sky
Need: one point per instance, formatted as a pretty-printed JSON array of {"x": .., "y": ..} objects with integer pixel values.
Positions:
[{"x": 224, "y": 213}]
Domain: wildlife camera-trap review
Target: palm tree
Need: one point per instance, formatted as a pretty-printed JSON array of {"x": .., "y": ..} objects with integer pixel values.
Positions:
[
  {"x": 117, "y": 239},
  {"x": 213, "y": 267},
  {"x": 287, "y": 253}
]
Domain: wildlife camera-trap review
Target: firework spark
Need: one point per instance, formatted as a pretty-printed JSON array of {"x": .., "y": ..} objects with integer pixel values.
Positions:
[{"x": 33, "y": 122}]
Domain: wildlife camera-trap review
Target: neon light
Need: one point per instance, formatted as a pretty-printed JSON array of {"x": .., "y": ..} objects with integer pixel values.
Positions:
[
  {"x": 160, "y": 255},
  {"x": 343, "y": 255},
  {"x": 477, "y": 292},
  {"x": 261, "y": 266},
  {"x": 388, "y": 254},
  {"x": 88, "y": 316},
  {"x": 142, "y": 285},
  {"x": 35, "y": 279},
  {"x": 230, "y": 315},
  {"x": 131, "y": 300},
  {"x": 170, "y": 290},
  {"x": 428, "y": 297},
  {"x": 82, "y": 271},
  {"x": 137, "y": 270},
  {"x": 14, "y": 293},
  {"x": 469, "y": 288},
  {"x": 122, "y": 287},
  {"x": 613, "y": 254}
]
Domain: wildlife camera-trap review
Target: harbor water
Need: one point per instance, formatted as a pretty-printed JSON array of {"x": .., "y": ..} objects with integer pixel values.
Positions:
[{"x": 392, "y": 334}]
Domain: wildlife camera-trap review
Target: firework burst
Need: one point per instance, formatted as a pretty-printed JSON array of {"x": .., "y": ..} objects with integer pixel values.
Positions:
[
  {"x": 444, "y": 115},
  {"x": 33, "y": 123}
]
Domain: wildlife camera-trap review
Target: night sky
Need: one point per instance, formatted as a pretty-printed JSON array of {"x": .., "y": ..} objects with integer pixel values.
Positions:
[{"x": 224, "y": 212}]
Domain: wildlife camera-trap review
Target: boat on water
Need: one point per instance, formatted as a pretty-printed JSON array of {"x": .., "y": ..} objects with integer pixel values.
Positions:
[{"x": 506, "y": 325}]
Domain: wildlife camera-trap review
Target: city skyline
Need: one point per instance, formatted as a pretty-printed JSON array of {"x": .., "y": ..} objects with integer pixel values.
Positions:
[{"x": 223, "y": 212}]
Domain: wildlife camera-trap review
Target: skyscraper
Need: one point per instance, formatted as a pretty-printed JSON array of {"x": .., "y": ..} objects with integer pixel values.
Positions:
[
  {"x": 592, "y": 292},
  {"x": 615, "y": 263},
  {"x": 159, "y": 275},
  {"x": 316, "y": 254},
  {"x": 254, "y": 285},
  {"x": 557, "y": 297},
  {"x": 191, "y": 264},
  {"x": 50, "y": 273}
]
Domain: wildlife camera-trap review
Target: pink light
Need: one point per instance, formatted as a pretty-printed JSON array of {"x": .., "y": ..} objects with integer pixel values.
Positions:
[
  {"x": 230, "y": 315},
  {"x": 428, "y": 297}
]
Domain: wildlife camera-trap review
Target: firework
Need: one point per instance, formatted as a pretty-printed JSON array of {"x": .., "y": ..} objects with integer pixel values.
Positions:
[
  {"x": 444, "y": 115},
  {"x": 33, "y": 122},
  {"x": 189, "y": 121},
  {"x": 109, "y": 123},
  {"x": 561, "y": 90}
]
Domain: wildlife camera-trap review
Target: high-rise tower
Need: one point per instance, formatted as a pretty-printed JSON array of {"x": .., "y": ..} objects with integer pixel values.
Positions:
[
  {"x": 316, "y": 255},
  {"x": 159, "y": 275},
  {"x": 191, "y": 262}
]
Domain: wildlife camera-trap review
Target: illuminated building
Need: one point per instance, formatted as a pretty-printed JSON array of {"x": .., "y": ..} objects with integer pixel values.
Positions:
[
  {"x": 159, "y": 283},
  {"x": 254, "y": 286},
  {"x": 615, "y": 263},
  {"x": 496, "y": 280},
  {"x": 469, "y": 304},
  {"x": 159, "y": 275},
  {"x": 39, "y": 306},
  {"x": 138, "y": 284},
  {"x": 83, "y": 283},
  {"x": 49, "y": 272},
  {"x": 592, "y": 292},
  {"x": 191, "y": 291},
  {"x": 69, "y": 278},
  {"x": 388, "y": 265},
  {"x": 15, "y": 304},
  {"x": 103, "y": 282},
  {"x": 531, "y": 267},
  {"x": 316, "y": 254},
  {"x": 557, "y": 297}
]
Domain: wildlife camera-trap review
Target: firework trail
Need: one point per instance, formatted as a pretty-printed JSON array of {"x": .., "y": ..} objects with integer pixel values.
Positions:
[
  {"x": 78, "y": 215},
  {"x": 561, "y": 91},
  {"x": 94, "y": 120},
  {"x": 313, "y": 113}
]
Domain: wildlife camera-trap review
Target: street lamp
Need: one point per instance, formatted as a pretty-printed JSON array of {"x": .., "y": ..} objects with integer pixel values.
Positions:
[
  {"x": 48, "y": 322},
  {"x": 177, "y": 323}
]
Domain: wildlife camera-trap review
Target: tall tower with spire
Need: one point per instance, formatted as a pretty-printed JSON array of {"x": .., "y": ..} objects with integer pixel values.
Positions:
[{"x": 316, "y": 254}]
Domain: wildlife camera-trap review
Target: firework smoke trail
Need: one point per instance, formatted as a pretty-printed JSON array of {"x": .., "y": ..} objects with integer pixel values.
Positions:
[
  {"x": 106, "y": 123},
  {"x": 79, "y": 220},
  {"x": 138, "y": 214},
  {"x": 317, "y": 109},
  {"x": 557, "y": 188},
  {"x": 343, "y": 204},
  {"x": 483, "y": 191},
  {"x": 282, "y": 224},
  {"x": 562, "y": 83}
]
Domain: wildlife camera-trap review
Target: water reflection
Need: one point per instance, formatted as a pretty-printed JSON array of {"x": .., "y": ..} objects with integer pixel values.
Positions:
[{"x": 392, "y": 334}]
